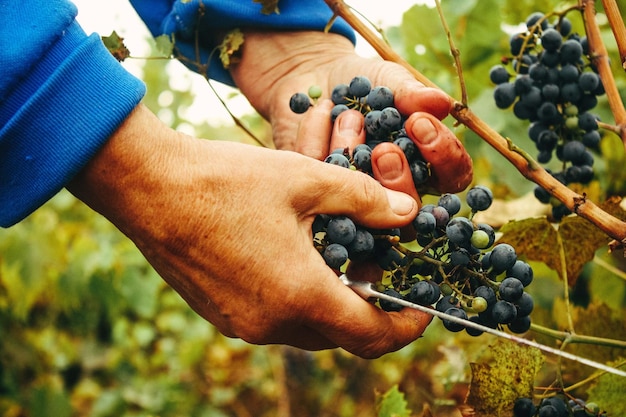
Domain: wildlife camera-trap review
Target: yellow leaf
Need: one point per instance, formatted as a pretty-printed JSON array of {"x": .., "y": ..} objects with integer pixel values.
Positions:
[{"x": 229, "y": 47}]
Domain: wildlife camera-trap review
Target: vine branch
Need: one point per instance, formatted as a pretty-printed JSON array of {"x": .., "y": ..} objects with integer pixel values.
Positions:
[
  {"x": 577, "y": 203},
  {"x": 616, "y": 21},
  {"x": 600, "y": 58}
]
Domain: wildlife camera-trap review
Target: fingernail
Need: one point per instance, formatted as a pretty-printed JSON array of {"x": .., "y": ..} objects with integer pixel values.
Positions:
[
  {"x": 424, "y": 131},
  {"x": 350, "y": 124},
  {"x": 400, "y": 203}
]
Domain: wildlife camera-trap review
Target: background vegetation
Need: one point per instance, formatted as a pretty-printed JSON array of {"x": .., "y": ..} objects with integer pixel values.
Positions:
[{"x": 88, "y": 328}]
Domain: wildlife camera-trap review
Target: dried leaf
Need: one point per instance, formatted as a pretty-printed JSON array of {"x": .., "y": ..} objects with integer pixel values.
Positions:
[
  {"x": 229, "y": 47},
  {"x": 115, "y": 45},
  {"x": 511, "y": 373},
  {"x": 269, "y": 6},
  {"x": 608, "y": 393}
]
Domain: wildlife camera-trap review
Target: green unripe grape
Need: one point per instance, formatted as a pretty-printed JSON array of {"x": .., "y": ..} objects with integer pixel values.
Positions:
[
  {"x": 593, "y": 408},
  {"x": 315, "y": 92},
  {"x": 571, "y": 111},
  {"x": 480, "y": 239},
  {"x": 479, "y": 304},
  {"x": 445, "y": 289},
  {"x": 571, "y": 123}
]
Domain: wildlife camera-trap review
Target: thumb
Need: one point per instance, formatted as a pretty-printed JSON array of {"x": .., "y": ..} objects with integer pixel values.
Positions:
[{"x": 330, "y": 189}]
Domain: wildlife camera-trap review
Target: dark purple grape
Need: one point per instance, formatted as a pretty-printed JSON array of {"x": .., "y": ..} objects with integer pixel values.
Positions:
[
  {"x": 362, "y": 246},
  {"x": 525, "y": 305},
  {"x": 571, "y": 51},
  {"x": 591, "y": 139},
  {"x": 337, "y": 110},
  {"x": 504, "y": 95},
  {"x": 519, "y": 325},
  {"x": 419, "y": 171},
  {"x": 522, "y": 271},
  {"x": 335, "y": 255},
  {"x": 587, "y": 121},
  {"x": 450, "y": 202},
  {"x": 479, "y": 198},
  {"x": 408, "y": 147},
  {"x": 341, "y": 229},
  {"x": 502, "y": 257},
  {"x": 340, "y": 94},
  {"x": 299, "y": 103},
  {"x": 498, "y": 74},
  {"x": 380, "y": 97},
  {"x": 453, "y": 326},
  {"x": 534, "y": 18},
  {"x": 503, "y": 312},
  {"x": 338, "y": 159},
  {"x": 511, "y": 289},
  {"x": 573, "y": 151},
  {"x": 360, "y": 86},
  {"x": 424, "y": 293},
  {"x": 425, "y": 223},
  {"x": 442, "y": 216},
  {"x": 390, "y": 305},
  {"x": 588, "y": 82},
  {"x": 551, "y": 40},
  {"x": 459, "y": 230},
  {"x": 363, "y": 160},
  {"x": 524, "y": 407},
  {"x": 487, "y": 293}
]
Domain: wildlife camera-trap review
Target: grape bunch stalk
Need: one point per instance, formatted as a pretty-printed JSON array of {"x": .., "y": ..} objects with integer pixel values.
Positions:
[
  {"x": 452, "y": 264},
  {"x": 550, "y": 81}
]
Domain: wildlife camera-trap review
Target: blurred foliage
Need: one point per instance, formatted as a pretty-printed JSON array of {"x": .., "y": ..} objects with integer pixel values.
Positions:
[{"x": 87, "y": 328}]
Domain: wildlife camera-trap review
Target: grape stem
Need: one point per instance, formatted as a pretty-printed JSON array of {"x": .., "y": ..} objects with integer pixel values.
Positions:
[
  {"x": 585, "y": 208},
  {"x": 576, "y": 338}
]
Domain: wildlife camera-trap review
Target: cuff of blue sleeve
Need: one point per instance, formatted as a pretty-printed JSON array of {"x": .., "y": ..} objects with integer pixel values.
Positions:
[{"x": 62, "y": 125}]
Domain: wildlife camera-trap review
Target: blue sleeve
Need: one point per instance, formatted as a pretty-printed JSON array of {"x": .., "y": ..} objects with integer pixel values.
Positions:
[
  {"x": 205, "y": 20},
  {"x": 62, "y": 95}
]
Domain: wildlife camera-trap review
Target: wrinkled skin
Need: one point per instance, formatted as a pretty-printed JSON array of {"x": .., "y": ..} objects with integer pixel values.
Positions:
[{"x": 228, "y": 226}]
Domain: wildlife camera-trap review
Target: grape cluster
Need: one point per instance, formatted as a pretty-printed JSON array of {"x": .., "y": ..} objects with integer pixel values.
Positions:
[
  {"x": 550, "y": 81},
  {"x": 383, "y": 123},
  {"x": 556, "y": 406},
  {"x": 447, "y": 266}
]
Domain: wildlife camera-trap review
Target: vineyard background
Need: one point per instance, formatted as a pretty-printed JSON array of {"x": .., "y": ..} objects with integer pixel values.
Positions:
[{"x": 88, "y": 328}]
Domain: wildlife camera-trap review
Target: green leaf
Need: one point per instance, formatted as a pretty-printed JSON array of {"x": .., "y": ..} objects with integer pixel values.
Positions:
[
  {"x": 510, "y": 374},
  {"x": 392, "y": 404},
  {"x": 229, "y": 47},
  {"x": 608, "y": 393},
  {"x": 269, "y": 6},
  {"x": 165, "y": 45},
  {"x": 115, "y": 44}
]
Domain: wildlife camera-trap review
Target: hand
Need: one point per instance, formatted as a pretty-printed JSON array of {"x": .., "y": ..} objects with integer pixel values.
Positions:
[
  {"x": 275, "y": 65},
  {"x": 228, "y": 226}
]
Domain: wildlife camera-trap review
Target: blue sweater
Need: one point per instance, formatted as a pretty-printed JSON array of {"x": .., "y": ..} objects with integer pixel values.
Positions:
[{"x": 62, "y": 94}]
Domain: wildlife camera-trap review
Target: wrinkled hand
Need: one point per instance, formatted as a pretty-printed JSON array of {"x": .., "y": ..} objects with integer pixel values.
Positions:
[
  {"x": 275, "y": 65},
  {"x": 228, "y": 226}
]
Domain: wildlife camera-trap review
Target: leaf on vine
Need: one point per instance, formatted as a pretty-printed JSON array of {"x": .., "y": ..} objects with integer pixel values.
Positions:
[
  {"x": 392, "y": 404},
  {"x": 229, "y": 47},
  {"x": 608, "y": 393},
  {"x": 115, "y": 45},
  {"x": 509, "y": 375},
  {"x": 535, "y": 238},
  {"x": 165, "y": 45},
  {"x": 538, "y": 240},
  {"x": 269, "y": 6}
]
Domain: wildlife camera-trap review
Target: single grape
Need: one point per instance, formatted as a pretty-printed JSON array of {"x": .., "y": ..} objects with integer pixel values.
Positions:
[
  {"x": 502, "y": 257},
  {"x": 480, "y": 239},
  {"x": 442, "y": 217},
  {"x": 565, "y": 26},
  {"x": 503, "y": 312},
  {"x": 419, "y": 171},
  {"x": 359, "y": 86},
  {"x": 588, "y": 81},
  {"x": 522, "y": 271},
  {"x": 390, "y": 119},
  {"x": 479, "y": 304},
  {"x": 372, "y": 122},
  {"x": 459, "y": 230},
  {"x": 569, "y": 73},
  {"x": 573, "y": 151},
  {"x": 548, "y": 112},
  {"x": 337, "y": 110},
  {"x": 550, "y": 92},
  {"x": 504, "y": 95},
  {"x": 363, "y": 160},
  {"x": 479, "y": 198},
  {"x": 390, "y": 259},
  {"x": 456, "y": 312},
  {"x": 551, "y": 40},
  {"x": 450, "y": 202},
  {"x": 511, "y": 289},
  {"x": 570, "y": 92},
  {"x": 490, "y": 232},
  {"x": 472, "y": 331},
  {"x": 571, "y": 51},
  {"x": 587, "y": 121},
  {"x": 335, "y": 255},
  {"x": 523, "y": 84},
  {"x": 340, "y": 94},
  {"x": 534, "y": 18},
  {"x": 498, "y": 74},
  {"x": 424, "y": 293},
  {"x": 362, "y": 246},
  {"x": 558, "y": 403},
  {"x": 315, "y": 92},
  {"x": 524, "y": 407},
  {"x": 341, "y": 229},
  {"x": 424, "y": 223},
  {"x": 338, "y": 159},
  {"x": 299, "y": 103},
  {"x": 390, "y": 305},
  {"x": 446, "y": 302},
  {"x": 459, "y": 257},
  {"x": 525, "y": 305},
  {"x": 542, "y": 195},
  {"x": 547, "y": 411},
  {"x": 380, "y": 97},
  {"x": 408, "y": 147},
  {"x": 516, "y": 42},
  {"x": 591, "y": 139}
]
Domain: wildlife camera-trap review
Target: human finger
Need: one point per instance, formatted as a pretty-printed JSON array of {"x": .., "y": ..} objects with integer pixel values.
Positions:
[
  {"x": 313, "y": 137},
  {"x": 450, "y": 164},
  {"x": 348, "y": 130}
]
